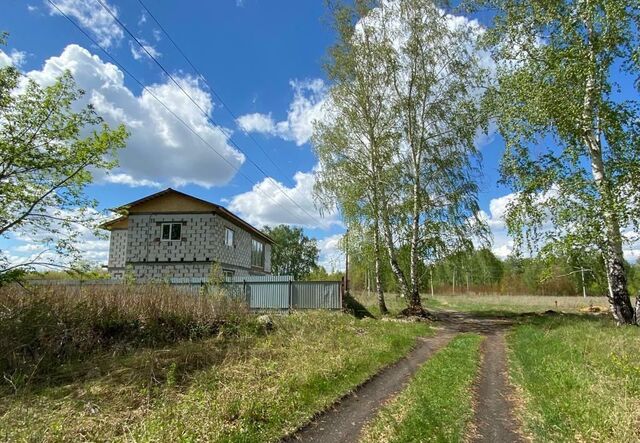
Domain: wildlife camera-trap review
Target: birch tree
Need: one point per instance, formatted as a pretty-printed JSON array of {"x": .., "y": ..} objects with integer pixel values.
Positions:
[
  {"x": 398, "y": 150},
  {"x": 354, "y": 142},
  {"x": 572, "y": 146},
  {"x": 437, "y": 81}
]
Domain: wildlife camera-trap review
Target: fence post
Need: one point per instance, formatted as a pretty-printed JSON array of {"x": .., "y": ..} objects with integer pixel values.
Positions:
[
  {"x": 290, "y": 294},
  {"x": 244, "y": 292}
]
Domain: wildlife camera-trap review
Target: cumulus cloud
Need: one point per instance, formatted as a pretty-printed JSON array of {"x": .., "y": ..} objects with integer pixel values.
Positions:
[
  {"x": 14, "y": 58},
  {"x": 309, "y": 97},
  {"x": 331, "y": 254},
  {"x": 266, "y": 204},
  {"x": 160, "y": 148},
  {"x": 92, "y": 16},
  {"x": 502, "y": 244},
  {"x": 40, "y": 246}
]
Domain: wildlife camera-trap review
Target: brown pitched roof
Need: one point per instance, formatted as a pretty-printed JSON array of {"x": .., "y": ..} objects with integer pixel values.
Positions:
[{"x": 223, "y": 212}]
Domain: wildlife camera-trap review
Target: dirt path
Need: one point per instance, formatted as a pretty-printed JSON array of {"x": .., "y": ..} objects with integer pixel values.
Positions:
[
  {"x": 494, "y": 421},
  {"x": 345, "y": 420}
]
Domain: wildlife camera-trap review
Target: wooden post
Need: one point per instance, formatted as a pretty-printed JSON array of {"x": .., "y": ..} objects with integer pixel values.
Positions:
[{"x": 290, "y": 294}]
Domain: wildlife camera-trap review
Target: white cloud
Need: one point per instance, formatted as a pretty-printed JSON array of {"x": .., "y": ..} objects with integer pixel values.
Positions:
[
  {"x": 160, "y": 149},
  {"x": 14, "y": 58},
  {"x": 257, "y": 122},
  {"x": 91, "y": 15},
  {"x": 126, "y": 179},
  {"x": 138, "y": 53},
  {"x": 495, "y": 219},
  {"x": 307, "y": 106},
  {"x": 40, "y": 246},
  {"x": 331, "y": 254},
  {"x": 266, "y": 204}
]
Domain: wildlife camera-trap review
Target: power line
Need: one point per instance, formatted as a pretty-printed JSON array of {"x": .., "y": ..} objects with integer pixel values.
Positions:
[
  {"x": 145, "y": 88},
  {"x": 204, "y": 113},
  {"x": 200, "y": 75}
]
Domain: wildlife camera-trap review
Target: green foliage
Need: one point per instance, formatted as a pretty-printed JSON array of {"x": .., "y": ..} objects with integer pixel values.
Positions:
[
  {"x": 579, "y": 378},
  {"x": 397, "y": 151},
  {"x": 319, "y": 273},
  {"x": 47, "y": 153},
  {"x": 215, "y": 274},
  {"x": 293, "y": 253},
  {"x": 571, "y": 138}
]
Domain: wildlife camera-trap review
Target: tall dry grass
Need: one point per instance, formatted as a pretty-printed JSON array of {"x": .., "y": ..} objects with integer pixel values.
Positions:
[{"x": 45, "y": 327}]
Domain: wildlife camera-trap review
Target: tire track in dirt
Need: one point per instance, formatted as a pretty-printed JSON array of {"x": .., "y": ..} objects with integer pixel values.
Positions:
[
  {"x": 494, "y": 419},
  {"x": 344, "y": 421}
]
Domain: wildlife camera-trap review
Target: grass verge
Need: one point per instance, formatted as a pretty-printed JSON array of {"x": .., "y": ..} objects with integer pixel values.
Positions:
[
  {"x": 233, "y": 388},
  {"x": 437, "y": 404},
  {"x": 579, "y": 377}
]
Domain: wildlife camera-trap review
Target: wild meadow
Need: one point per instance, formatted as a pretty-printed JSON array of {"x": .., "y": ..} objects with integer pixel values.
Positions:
[{"x": 149, "y": 363}]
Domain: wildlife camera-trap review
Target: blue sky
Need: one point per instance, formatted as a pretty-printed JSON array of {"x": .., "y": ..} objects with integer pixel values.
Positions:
[{"x": 264, "y": 59}]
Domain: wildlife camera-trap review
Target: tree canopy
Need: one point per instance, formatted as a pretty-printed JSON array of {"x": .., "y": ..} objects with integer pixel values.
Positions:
[
  {"x": 49, "y": 151},
  {"x": 293, "y": 253},
  {"x": 572, "y": 141}
]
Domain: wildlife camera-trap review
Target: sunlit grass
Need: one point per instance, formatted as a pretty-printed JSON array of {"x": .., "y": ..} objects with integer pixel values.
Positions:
[
  {"x": 579, "y": 377},
  {"x": 437, "y": 404},
  {"x": 245, "y": 387}
]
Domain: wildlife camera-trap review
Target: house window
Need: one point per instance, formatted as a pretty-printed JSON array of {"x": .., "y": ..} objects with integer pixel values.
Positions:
[
  {"x": 228, "y": 237},
  {"x": 171, "y": 231},
  {"x": 228, "y": 273},
  {"x": 257, "y": 253}
]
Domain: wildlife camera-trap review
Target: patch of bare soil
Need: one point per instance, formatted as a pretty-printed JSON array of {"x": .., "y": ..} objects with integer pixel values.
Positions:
[
  {"x": 494, "y": 420},
  {"x": 344, "y": 421}
]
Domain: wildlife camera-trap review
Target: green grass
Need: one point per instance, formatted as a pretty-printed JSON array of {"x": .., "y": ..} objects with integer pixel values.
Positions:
[
  {"x": 579, "y": 378},
  {"x": 484, "y": 304},
  {"x": 242, "y": 387},
  {"x": 437, "y": 405}
]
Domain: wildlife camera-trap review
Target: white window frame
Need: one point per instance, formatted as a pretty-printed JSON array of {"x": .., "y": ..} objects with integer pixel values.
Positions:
[
  {"x": 233, "y": 237},
  {"x": 171, "y": 225},
  {"x": 228, "y": 273}
]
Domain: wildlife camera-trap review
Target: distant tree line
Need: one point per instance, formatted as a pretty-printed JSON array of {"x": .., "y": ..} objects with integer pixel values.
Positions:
[{"x": 481, "y": 272}]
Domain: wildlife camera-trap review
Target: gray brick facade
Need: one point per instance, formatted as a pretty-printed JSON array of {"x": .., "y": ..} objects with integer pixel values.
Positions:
[{"x": 141, "y": 250}]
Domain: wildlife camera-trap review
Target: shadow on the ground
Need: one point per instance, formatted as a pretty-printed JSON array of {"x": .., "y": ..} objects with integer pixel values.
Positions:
[
  {"x": 488, "y": 321},
  {"x": 352, "y": 306}
]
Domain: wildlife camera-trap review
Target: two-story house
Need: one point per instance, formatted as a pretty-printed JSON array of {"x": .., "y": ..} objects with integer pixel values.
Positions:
[{"x": 171, "y": 234}]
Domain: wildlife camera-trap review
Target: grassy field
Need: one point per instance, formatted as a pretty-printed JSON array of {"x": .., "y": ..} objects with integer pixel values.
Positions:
[
  {"x": 486, "y": 303},
  {"x": 579, "y": 378},
  {"x": 241, "y": 383},
  {"x": 437, "y": 404}
]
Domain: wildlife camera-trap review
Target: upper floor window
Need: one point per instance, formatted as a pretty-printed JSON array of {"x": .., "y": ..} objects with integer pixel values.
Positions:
[
  {"x": 229, "y": 237},
  {"x": 257, "y": 253},
  {"x": 171, "y": 231}
]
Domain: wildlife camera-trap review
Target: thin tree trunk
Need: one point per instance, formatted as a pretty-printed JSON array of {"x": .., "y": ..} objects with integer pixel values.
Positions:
[
  {"x": 376, "y": 252},
  {"x": 391, "y": 250},
  {"x": 614, "y": 261},
  {"x": 415, "y": 305}
]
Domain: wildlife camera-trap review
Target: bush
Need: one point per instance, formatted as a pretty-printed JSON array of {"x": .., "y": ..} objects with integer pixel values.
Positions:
[{"x": 49, "y": 326}]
